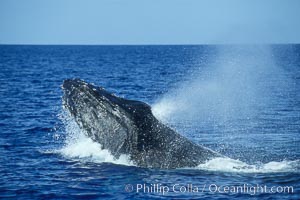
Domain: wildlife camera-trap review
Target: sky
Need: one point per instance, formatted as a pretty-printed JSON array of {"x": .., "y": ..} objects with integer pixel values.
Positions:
[{"x": 149, "y": 21}]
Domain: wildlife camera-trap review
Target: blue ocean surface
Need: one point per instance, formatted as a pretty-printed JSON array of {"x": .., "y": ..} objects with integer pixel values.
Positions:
[{"x": 241, "y": 101}]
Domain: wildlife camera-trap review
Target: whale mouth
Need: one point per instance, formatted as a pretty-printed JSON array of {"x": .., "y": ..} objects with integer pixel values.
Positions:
[
  {"x": 84, "y": 100},
  {"x": 98, "y": 112},
  {"x": 75, "y": 94}
]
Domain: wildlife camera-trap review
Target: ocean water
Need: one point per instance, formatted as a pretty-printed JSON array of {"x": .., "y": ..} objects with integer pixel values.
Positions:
[{"x": 242, "y": 101}]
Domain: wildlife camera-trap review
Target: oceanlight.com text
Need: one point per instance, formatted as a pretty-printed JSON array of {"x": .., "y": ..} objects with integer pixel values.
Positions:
[{"x": 157, "y": 188}]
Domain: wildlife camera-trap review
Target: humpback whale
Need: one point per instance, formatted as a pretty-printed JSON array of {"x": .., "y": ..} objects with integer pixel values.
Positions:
[{"x": 128, "y": 127}]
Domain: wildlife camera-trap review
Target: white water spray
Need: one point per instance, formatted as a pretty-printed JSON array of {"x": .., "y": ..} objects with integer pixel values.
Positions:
[
  {"x": 233, "y": 86},
  {"x": 79, "y": 146},
  {"x": 237, "y": 166}
]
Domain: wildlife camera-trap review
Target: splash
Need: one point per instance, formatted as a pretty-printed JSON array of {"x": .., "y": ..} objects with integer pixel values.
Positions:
[
  {"x": 237, "y": 166},
  {"x": 235, "y": 85},
  {"x": 78, "y": 146}
]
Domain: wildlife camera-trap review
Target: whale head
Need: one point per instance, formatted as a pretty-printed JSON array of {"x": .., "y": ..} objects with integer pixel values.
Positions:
[
  {"x": 107, "y": 119},
  {"x": 128, "y": 127}
]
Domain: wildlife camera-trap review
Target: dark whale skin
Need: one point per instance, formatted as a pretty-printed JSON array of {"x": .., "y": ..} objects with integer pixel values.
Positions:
[{"x": 128, "y": 127}]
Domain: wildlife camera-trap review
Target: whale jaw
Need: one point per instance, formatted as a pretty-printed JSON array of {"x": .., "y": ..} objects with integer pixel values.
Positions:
[{"x": 99, "y": 114}]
